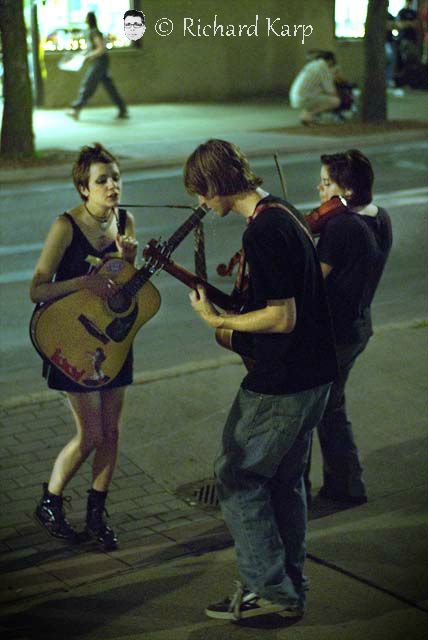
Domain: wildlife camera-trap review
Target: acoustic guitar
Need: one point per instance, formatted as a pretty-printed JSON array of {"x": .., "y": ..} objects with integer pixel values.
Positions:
[
  {"x": 236, "y": 341},
  {"x": 88, "y": 338}
]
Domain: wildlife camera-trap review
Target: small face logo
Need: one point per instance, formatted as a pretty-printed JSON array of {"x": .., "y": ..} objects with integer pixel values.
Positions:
[
  {"x": 114, "y": 266},
  {"x": 134, "y": 24}
]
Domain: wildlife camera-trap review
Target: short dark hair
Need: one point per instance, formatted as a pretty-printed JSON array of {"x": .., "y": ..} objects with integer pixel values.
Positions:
[
  {"x": 328, "y": 56},
  {"x": 351, "y": 170},
  {"x": 219, "y": 168},
  {"x": 82, "y": 165},
  {"x": 320, "y": 54},
  {"x": 91, "y": 20},
  {"x": 136, "y": 13}
]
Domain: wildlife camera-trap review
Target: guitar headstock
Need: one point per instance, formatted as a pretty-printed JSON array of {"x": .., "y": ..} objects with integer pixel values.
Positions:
[{"x": 156, "y": 254}]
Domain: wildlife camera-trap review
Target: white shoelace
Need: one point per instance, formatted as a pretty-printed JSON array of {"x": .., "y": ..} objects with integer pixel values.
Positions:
[{"x": 241, "y": 595}]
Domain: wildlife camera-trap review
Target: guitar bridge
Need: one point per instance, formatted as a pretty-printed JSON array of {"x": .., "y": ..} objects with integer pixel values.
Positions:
[{"x": 93, "y": 329}]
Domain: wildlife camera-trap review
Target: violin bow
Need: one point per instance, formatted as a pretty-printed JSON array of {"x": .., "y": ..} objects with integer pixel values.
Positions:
[
  {"x": 281, "y": 176},
  {"x": 301, "y": 218},
  {"x": 160, "y": 206}
]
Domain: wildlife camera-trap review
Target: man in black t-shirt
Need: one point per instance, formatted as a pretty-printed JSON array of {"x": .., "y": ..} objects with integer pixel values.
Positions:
[
  {"x": 353, "y": 249},
  {"x": 267, "y": 435}
]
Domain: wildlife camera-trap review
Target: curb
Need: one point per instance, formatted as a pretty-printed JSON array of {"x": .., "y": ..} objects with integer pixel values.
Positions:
[
  {"x": 139, "y": 378},
  {"x": 189, "y": 368},
  {"x": 293, "y": 146}
]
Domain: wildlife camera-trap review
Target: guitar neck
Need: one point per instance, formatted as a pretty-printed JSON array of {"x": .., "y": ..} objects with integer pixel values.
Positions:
[
  {"x": 187, "y": 226},
  {"x": 145, "y": 273},
  {"x": 190, "y": 279},
  {"x": 138, "y": 280}
]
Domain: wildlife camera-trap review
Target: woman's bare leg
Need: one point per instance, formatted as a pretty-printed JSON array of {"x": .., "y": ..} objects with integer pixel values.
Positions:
[
  {"x": 112, "y": 402},
  {"x": 87, "y": 411}
]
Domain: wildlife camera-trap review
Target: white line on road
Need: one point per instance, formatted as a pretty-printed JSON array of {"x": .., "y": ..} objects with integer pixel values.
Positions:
[{"x": 392, "y": 199}]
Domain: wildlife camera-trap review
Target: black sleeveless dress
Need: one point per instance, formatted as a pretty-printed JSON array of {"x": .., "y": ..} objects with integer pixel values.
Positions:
[{"x": 74, "y": 265}]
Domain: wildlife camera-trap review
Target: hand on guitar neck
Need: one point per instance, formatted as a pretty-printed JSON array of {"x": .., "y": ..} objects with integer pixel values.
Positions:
[
  {"x": 216, "y": 296},
  {"x": 226, "y": 338}
]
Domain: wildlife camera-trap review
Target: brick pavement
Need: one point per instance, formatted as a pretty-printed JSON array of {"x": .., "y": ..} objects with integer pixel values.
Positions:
[{"x": 152, "y": 523}]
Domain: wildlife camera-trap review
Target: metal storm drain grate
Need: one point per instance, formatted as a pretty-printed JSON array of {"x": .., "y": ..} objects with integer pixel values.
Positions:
[
  {"x": 207, "y": 494},
  {"x": 203, "y": 493}
]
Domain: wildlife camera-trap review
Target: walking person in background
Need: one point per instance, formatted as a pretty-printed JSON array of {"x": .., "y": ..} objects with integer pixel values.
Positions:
[
  {"x": 353, "y": 248},
  {"x": 390, "y": 52},
  {"x": 97, "y": 72},
  {"x": 92, "y": 229},
  {"x": 268, "y": 431},
  {"x": 313, "y": 90}
]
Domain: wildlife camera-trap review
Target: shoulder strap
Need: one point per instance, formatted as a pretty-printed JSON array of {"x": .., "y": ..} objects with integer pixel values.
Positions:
[
  {"x": 122, "y": 221},
  {"x": 240, "y": 276},
  {"x": 279, "y": 205},
  {"x": 69, "y": 217},
  {"x": 73, "y": 223}
]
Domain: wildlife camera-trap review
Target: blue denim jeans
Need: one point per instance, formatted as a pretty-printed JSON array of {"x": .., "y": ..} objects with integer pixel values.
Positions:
[
  {"x": 259, "y": 473},
  {"x": 98, "y": 72}
]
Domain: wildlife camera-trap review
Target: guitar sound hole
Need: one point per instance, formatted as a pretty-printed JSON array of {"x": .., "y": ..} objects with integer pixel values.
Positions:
[{"x": 120, "y": 302}]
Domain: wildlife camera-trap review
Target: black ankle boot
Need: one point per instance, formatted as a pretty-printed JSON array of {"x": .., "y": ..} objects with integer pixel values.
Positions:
[
  {"x": 96, "y": 527},
  {"x": 50, "y": 515}
]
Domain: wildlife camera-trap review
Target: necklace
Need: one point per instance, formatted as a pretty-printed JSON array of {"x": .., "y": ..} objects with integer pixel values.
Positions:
[{"x": 103, "y": 222}]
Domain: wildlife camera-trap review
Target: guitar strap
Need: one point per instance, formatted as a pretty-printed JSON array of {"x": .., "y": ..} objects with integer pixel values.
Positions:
[
  {"x": 121, "y": 225},
  {"x": 240, "y": 276}
]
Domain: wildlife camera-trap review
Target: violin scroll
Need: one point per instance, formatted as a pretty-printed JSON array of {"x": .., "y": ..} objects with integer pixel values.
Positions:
[{"x": 224, "y": 270}]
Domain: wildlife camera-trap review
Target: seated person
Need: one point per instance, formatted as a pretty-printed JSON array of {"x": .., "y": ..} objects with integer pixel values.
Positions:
[{"x": 313, "y": 90}]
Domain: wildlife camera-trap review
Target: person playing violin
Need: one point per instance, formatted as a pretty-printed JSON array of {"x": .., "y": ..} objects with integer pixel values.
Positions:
[
  {"x": 267, "y": 435},
  {"x": 84, "y": 234},
  {"x": 353, "y": 248}
]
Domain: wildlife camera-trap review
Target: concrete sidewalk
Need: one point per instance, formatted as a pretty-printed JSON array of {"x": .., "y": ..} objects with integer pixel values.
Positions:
[
  {"x": 367, "y": 564},
  {"x": 164, "y": 135}
]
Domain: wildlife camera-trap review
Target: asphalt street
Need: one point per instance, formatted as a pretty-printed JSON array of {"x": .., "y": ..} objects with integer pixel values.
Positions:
[
  {"x": 175, "y": 336},
  {"x": 366, "y": 564}
]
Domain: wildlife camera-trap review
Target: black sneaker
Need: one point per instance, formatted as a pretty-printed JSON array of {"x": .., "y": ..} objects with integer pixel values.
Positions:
[
  {"x": 123, "y": 115},
  {"x": 246, "y": 604}
]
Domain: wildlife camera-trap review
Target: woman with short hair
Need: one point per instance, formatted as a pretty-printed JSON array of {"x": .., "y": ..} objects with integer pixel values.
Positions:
[{"x": 91, "y": 230}]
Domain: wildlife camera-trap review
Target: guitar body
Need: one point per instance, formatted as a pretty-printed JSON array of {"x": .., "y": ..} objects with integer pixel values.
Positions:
[
  {"x": 238, "y": 342},
  {"x": 88, "y": 338}
]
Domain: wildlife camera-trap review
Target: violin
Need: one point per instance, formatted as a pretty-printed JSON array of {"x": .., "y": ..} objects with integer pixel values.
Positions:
[
  {"x": 227, "y": 269},
  {"x": 319, "y": 216}
]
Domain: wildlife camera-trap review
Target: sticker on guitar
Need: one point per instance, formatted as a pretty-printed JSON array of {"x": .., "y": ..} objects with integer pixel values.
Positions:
[
  {"x": 97, "y": 358},
  {"x": 59, "y": 359},
  {"x": 114, "y": 266}
]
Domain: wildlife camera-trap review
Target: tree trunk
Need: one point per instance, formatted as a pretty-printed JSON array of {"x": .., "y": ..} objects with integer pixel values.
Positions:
[
  {"x": 373, "y": 95},
  {"x": 17, "y": 136},
  {"x": 39, "y": 92}
]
